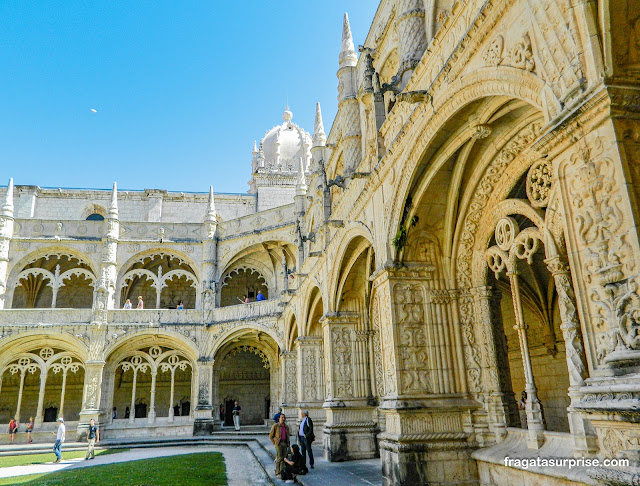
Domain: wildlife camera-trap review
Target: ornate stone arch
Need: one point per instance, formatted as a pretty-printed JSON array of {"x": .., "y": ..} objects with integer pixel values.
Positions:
[
  {"x": 25, "y": 341},
  {"x": 486, "y": 82},
  {"x": 352, "y": 232}
]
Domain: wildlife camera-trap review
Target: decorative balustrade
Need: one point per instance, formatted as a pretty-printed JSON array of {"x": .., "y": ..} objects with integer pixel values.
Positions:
[
  {"x": 44, "y": 316},
  {"x": 240, "y": 312}
]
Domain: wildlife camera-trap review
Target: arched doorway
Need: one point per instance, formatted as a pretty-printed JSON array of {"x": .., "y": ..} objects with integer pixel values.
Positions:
[{"x": 246, "y": 370}]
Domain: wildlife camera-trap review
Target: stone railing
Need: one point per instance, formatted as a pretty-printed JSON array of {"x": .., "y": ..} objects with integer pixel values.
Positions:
[
  {"x": 44, "y": 316},
  {"x": 181, "y": 232},
  {"x": 154, "y": 316},
  {"x": 243, "y": 312},
  {"x": 42, "y": 228},
  {"x": 262, "y": 221},
  {"x": 240, "y": 312}
]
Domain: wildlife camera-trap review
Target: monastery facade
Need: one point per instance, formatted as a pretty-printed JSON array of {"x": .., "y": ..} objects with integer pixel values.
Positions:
[{"x": 467, "y": 231}]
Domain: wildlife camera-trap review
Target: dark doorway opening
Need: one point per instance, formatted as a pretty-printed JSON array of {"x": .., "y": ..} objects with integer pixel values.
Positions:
[
  {"x": 228, "y": 412},
  {"x": 50, "y": 414}
]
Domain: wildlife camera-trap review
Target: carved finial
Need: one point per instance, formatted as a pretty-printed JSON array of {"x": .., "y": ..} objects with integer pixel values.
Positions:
[
  {"x": 7, "y": 204},
  {"x": 113, "y": 205},
  {"x": 319, "y": 137},
  {"x": 211, "y": 207},
  {"x": 347, "y": 51},
  {"x": 255, "y": 148}
]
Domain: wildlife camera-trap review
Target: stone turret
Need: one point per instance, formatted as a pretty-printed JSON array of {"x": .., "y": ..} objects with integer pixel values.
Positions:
[
  {"x": 348, "y": 107},
  {"x": 106, "y": 289},
  {"x": 210, "y": 252},
  {"x": 412, "y": 38},
  {"x": 6, "y": 233}
]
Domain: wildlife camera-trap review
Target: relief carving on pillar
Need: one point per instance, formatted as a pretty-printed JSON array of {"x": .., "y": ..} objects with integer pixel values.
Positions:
[
  {"x": 310, "y": 369},
  {"x": 412, "y": 339},
  {"x": 91, "y": 391},
  {"x": 342, "y": 361},
  {"x": 377, "y": 348},
  {"x": 471, "y": 347},
  {"x": 290, "y": 381},
  {"x": 388, "y": 343},
  {"x": 204, "y": 380},
  {"x": 608, "y": 260}
]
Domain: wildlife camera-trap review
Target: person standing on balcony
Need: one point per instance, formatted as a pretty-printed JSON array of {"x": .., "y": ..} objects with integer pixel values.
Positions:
[
  {"x": 260, "y": 296},
  {"x": 127, "y": 304},
  {"x": 236, "y": 415},
  {"x": 180, "y": 305},
  {"x": 140, "y": 303}
]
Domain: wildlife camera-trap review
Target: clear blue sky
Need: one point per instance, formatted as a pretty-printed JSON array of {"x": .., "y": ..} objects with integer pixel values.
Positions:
[{"x": 181, "y": 88}]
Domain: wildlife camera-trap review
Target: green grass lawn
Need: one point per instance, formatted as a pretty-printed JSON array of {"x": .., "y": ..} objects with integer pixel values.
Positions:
[
  {"x": 199, "y": 469},
  {"x": 27, "y": 459}
]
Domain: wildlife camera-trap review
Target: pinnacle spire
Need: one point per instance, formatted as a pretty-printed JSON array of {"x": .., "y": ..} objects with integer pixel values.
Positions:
[
  {"x": 319, "y": 137},
  {"x": 211, "y": 207},
  {"x": 301, "y": 183},
  {"x": 347, "y": 51},
  {"x": 255, "y": 148},
  {"x": 113, "y": 205},
  {"x": 7, "y": 205}
]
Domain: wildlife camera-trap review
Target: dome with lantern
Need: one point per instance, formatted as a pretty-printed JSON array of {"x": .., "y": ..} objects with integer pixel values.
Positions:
[{"x": 283, "y": 148}]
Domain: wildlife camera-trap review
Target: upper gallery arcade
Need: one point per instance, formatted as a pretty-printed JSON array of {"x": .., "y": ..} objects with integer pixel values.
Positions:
[{"x": 450, "y": 274}]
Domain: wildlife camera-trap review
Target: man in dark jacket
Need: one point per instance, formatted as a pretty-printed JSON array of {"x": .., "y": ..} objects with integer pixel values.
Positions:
[{"x": 306, "y": 436}]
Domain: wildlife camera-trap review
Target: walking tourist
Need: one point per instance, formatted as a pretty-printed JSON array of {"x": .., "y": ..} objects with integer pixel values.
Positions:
[
  {"x": 127, "y": 304},
  {"x": 29, "y": 430},
  {"x": 294, "y": 464},
  {"x": 140, "y": 303},
  {"x": 60, "y": 436},
  {"x": 221, "y": 414},
  {"x": 93, "y": 437},
  {"x": 306, "y": 437},
  {"x": 260, "y": 296},
  {"x": 12, "y": 429},
  {"x": 279, "y": 436},
  {"x": 115, "y": 413},
  {"x": 276, "y": 417},
  {"x": 127, "y": 412},
  {"x": 236, "y": 415}
]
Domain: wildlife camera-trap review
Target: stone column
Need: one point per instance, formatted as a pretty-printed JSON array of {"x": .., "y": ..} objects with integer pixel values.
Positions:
[
  {"x": 349, "y": 431},
  {"x": 6, "y": 233},
  {"x": 43, "y": 384},
  {"x": 492, "y": 366},
  {"x": 535, "y": 422},
  {"x": 310, "y": 396},
  {"x": 62, "y": 392},
  {"x": 23, "y": 372},
  {"x": 91, "y": 397},
  {"x": 581, "y": 429},
  {"x": 152, "y": 402},
  {"x": 424, "y": 426},
  {"x": 204, "y": 423}
]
